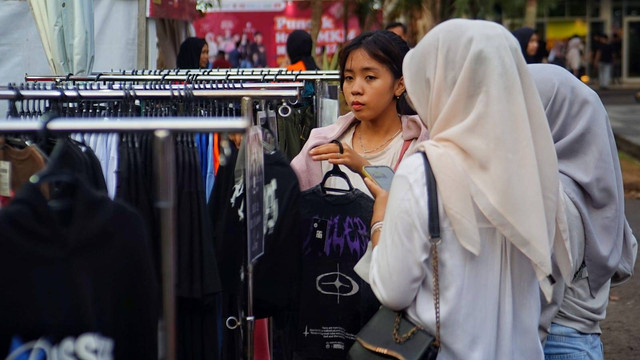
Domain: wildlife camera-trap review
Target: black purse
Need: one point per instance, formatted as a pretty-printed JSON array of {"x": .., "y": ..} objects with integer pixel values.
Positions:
[{"x": 381, "y": 337}]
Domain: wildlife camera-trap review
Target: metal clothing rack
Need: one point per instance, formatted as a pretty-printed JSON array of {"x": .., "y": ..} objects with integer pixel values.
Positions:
[
  {"x": 67, "y": 93},
  {"x": 263, "y": 75},
  {"x": 164, "y": 169}
]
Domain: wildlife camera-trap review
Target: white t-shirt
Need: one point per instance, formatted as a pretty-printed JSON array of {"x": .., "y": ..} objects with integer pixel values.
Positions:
[{"x": 489, "y": 304}]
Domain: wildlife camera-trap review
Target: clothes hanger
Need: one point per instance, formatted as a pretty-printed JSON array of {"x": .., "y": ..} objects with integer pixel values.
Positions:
[{"x": 336, "y": 172}]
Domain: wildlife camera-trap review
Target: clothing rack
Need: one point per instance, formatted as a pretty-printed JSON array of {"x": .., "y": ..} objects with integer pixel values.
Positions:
[
  {"x": 66, "y": 93},
  {"x": 164, "y": 168},
  {"x": 265, "y": 74}
]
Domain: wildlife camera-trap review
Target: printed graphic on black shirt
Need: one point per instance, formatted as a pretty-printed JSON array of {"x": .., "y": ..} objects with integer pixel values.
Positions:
[
  {"x": 87, "y": 346},
  {"x": 334, "y": 302}
]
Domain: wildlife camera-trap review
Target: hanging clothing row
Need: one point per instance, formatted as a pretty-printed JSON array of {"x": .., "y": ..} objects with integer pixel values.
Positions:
[
  {"x": 88, "y": 285},
  {"x": 288, "y": 123},
  {"x": 197, "y": 279}
]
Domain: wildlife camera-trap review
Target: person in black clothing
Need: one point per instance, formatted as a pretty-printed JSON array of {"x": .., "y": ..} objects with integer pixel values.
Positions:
[
  {"x": 257, "y": 51},
  {"x": 604, "y": 61},
  {"x": 193, "y": 54},
  {"x": 616, "y": 43},
  {"x": 528, "y": 40}
]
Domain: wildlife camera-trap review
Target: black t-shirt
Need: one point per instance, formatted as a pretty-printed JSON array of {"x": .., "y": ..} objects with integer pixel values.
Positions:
[
  {"x": 274, "y": 273},
  {"x": 334, "y": 302},
  {"x": 84, "y": 287},
  {"x": 606, "y": 53}
]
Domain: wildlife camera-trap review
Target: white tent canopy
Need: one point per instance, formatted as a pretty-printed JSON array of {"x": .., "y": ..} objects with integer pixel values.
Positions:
[{"x": 66, "y": 31}]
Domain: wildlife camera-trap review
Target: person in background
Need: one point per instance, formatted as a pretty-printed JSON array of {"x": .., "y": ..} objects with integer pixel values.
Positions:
[
  {"x": 558, "y": 53},
  {"x": 604, "y": 62},
  {"x": 300, "y": 51},
  {"x": 257, "y": 51},
  {"x": 575, "y": 50},
  {"x": 379, "y": 129},
  {"x": 602, "y": 246},
  {"x": 398, "y": 28},
  {"x": 193, "y": 54},
  {"x": 616, "y": 43},
  {"x": 529, "y": 43},
  {"x": 221, "y": 62},
  {"x": 498, "y": 203}
]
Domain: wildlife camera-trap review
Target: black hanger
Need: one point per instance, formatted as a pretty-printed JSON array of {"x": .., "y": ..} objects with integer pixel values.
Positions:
[{"x": 335, "y": 171}]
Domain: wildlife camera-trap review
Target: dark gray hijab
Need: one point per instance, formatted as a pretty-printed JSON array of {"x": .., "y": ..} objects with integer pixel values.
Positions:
[{"x": 589, "y": 171}]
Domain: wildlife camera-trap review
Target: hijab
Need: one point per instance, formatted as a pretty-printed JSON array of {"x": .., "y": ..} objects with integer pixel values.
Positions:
[
  {"x": 489, "y": 143},
  {"x": 523, "y": 35},
  {"x": 189, "y": 54},
  {"x": 589, "y": 168},
  {"x": 299, "y": 46}
]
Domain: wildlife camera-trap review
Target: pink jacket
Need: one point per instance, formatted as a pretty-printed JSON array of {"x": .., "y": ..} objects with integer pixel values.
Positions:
[{"x": 309, "y": 172}]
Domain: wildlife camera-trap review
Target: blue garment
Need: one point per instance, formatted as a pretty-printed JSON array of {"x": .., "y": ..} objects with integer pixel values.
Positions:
[
  {"x": 567, "y": 343},
  {"x": 211, "y": 176}
]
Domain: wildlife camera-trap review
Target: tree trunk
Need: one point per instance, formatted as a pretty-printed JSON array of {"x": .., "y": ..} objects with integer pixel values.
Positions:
[
  {"x": 530, "y": 11},
  {"x": 316, "y": 22}
]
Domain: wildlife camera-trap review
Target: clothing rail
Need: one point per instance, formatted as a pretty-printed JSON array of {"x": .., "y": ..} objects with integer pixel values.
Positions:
[
  {"x": 111, "y": 94},
  {"x": 270, "y": 74},
  {"x": 164, "y": 169},
  {"x": 192, "y": 77}
]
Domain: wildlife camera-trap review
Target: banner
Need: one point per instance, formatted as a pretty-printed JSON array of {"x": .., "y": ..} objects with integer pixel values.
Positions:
[
  {"x": 235, "y": 32},
  {"x": 173, "y": 9}
]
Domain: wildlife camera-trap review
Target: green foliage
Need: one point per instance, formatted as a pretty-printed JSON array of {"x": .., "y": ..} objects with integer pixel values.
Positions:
[{"x": 204, "y": 5}]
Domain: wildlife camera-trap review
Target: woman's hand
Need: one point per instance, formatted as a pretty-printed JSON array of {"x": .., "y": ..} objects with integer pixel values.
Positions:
[
  {"x": 379, "y": 206},
  {"x": 331, "y": 153}
]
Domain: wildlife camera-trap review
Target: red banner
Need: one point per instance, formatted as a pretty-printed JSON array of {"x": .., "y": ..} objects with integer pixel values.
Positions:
[
  {"x": 173, "y": 9},
  {"x": 235, "y": 32}
]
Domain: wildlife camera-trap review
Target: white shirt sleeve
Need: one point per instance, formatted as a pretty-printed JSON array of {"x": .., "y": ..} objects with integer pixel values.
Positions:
[{"x": 398, "y": 264}]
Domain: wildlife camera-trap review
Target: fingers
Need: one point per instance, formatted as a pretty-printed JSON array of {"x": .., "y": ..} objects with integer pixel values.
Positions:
[
  {"x": 375, "y": 189},
  {"x": 325, "y": 149}
]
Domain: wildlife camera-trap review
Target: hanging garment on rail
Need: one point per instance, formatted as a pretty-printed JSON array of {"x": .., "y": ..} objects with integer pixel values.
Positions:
[
  {"x": 197, "y": 269},
  {"x": 334, "y": 302},
  {"x": 16, "y": 167},
  {"x": 274, "y": 272},
  {"x": 105, "y": 147},
  {"x": 82, "y": 287}
]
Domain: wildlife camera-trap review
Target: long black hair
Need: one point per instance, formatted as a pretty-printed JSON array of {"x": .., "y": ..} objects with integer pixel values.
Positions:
[{"x": 386, "y": 48}]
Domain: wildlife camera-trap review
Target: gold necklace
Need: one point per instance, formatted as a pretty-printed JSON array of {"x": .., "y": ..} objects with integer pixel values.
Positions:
[{"x": 365, "y": 151}]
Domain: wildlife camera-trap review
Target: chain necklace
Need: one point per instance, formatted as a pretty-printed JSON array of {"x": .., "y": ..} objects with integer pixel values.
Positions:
[{"x": 365, "y": 151}]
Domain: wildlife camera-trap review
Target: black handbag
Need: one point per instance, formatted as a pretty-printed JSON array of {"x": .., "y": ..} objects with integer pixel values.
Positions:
[{"x": 389, "y": 334}]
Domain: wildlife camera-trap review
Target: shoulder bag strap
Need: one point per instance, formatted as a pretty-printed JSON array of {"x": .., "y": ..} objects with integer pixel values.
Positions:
[{"x": 434, "y": 238}]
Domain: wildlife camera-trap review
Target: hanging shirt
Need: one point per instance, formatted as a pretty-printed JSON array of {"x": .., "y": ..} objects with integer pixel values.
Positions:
[{"x": 334, "y": 303}]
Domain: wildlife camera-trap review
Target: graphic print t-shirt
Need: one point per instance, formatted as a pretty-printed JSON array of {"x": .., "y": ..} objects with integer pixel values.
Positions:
[{"x": 334, "y": 302}]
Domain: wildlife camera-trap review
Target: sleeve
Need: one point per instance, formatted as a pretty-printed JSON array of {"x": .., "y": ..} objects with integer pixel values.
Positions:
[
  {"x": 308, "y": 172},
  {"x": 398, "y": 264}
]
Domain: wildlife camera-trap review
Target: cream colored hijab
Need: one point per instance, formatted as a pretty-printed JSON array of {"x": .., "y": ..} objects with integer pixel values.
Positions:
[{"x": 490, "y": 143}]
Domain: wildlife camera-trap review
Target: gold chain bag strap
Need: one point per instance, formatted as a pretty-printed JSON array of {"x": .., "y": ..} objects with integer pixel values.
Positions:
[{"x": 409, "y": 341}]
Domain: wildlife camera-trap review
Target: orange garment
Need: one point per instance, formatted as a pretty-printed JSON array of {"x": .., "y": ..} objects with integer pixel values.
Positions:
[
  {"x": 216, "y": 153},
  {"x": 299, "y": 66}
]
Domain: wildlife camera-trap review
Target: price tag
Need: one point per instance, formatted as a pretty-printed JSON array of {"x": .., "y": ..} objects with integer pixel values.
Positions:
[{"x": 5, "y": 178}]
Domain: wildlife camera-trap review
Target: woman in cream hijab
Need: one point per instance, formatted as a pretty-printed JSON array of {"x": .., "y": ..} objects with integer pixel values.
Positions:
[{"x": 493, "y": 158}]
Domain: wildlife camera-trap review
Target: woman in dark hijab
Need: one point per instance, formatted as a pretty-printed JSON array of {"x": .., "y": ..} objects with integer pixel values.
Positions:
[
  {"x": 299, "y": 46},
  {"x": 528, "y": 40},
  {"x": 193, "y": 54}
]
